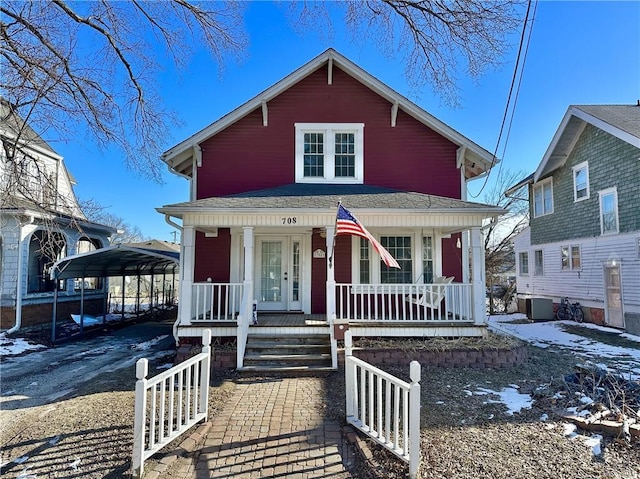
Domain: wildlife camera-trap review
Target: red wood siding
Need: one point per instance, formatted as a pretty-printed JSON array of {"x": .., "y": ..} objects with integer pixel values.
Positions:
[
  {"x": 452, "y": 257},
  {"x": 248, "y": 156},
  {"x": 318, "y": 275},
  {"x": 212, "y": 257}
]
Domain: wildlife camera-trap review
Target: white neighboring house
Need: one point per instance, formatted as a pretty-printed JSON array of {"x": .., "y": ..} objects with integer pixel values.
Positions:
[
  {"x": 583, "y": 241},
  {"x": 40, "y": 222}
]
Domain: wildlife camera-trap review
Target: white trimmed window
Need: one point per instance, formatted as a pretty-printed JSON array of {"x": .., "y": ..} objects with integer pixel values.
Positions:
[
  {"x": 581, "y": 182},
  {"x": 523, "y": 263},
  {"x": 400, "y": 249},
  {"x": 571, "y": 257},
  {"x": 543, "y": 198},
  {"x": 609, "y": 211},
  {"x": 329, "y": 152},
  {"x": 538, "y": 259}
]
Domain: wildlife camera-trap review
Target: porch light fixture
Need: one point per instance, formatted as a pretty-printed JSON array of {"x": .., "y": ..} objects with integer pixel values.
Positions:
[{"x": 458, "y": 244}]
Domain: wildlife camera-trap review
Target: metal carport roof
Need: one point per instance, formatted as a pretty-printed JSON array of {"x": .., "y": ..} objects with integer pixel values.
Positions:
[{"x": 118, "y": 260}]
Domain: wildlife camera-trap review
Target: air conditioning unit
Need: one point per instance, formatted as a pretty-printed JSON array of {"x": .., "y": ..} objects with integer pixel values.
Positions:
[{"x": 539, "y": 309}]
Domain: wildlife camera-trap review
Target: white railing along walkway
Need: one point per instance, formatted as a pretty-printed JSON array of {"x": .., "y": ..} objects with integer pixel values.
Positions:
[
  {"x": 384, "y": 407},
  {"x": 169, "y": 404},
  {"x": 215, "y": 301},
  {"x": 404, "y": 302}
]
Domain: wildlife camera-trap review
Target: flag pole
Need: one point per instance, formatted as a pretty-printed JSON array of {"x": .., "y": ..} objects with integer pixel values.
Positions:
[{"x": 335, "y": 226}]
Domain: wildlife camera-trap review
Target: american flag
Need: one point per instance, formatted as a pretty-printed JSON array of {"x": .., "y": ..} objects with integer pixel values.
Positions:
[{"x": 347, "y": 224}]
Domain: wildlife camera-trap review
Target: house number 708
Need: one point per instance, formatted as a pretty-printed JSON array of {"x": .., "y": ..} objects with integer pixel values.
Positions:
[{"x": 292, "y": 220}]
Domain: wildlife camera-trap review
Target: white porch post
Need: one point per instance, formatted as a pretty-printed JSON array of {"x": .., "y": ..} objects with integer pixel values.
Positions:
[
  {"x": 187, "y": 265},
  {"x": 247, "y": 234},
  {"x": 466, "y": 275},
  {"x": 478, "y": 280},
  {"x": 331, "y": 279}
]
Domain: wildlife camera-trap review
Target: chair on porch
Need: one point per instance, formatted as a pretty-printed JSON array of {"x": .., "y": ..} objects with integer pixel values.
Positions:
[{"x": 432, "y": 296}]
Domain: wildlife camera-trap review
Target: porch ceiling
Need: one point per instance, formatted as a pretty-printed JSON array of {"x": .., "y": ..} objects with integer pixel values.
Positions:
[{"x": 315, "y": 204}]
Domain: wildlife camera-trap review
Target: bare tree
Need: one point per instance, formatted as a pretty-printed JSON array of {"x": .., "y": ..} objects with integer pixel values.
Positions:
[
  {"x": 95, "y": 64},
  {"x": 125, "y": 232},
  {"x": 437, "y": 41},
  {"x": 500, "y": 232}
]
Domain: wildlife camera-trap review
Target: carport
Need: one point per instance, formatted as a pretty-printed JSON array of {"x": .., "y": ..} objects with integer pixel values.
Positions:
[{"x": 150, "y": 258}]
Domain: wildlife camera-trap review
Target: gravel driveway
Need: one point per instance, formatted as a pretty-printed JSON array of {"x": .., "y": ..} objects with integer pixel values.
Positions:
[{"x": 468, "y": 433}]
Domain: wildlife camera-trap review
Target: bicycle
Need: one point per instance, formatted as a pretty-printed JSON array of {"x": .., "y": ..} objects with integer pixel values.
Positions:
[{"x": 568, "y": 311}]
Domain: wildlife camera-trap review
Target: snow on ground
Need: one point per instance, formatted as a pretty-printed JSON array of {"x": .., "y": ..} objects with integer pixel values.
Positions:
[
  {"x": 15, "y": 346},
  {"x": 546, "y": 334}
]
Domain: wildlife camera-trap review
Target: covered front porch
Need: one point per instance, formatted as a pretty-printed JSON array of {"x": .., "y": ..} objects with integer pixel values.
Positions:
[{"x": 247, "y": 258}]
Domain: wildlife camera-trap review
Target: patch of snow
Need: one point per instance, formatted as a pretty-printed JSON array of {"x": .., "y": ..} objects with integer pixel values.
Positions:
[
  {"x": 467, "y": 392},
  {"x": 595, "y": 443},
  {"x": 54, "y": 440},
  {"x": 439, "y": 402},
  {"x": 25, "y": 474},
  {"x": 165, "y": 366},
  {"x": 16, "y": 346},
  {"x": 544, "y": 417},
  {"x": 586, "y": 400},
  {"x": 20, "y": 460},
  {"x": 75, "y": 464},
  {"x": 569, "y": 430},
  {"x": 514, "y": 401},
  {"x": 148, "y": 344}
]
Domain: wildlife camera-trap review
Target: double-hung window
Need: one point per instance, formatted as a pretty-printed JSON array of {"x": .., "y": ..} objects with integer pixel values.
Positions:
[
  {"x": 538, "y": 259},
  {"x": 581, "y": 182},
  {"x": 570, "y": 257},
  {"x": 329, "y": 152},
  {"x": 543, "y": 198},
  {"x": 523, "y": 263},
  {"x": 400, "y": 248},
  {"x": 609, "y": 211}
]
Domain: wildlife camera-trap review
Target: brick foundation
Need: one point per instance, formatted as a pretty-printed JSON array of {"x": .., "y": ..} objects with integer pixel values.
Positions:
[
  {"x": 453, "y": 358},
  {"x": 40, "y": 314}
]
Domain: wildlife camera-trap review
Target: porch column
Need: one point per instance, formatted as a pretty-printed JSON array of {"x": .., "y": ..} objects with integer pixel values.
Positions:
[
  {"x": 247, "y": 233},
  {"x": 187, "y": 264},
  {"x": 466, "y": 276},
  {"x": 331, "y": 278},
  {"x": 478, "y": 280}
]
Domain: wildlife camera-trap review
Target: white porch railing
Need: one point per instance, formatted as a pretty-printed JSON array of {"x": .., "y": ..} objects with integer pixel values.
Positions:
[
  {"x": 404, "y": 302},
  {"x": 169, "y": 404},
  {"x": 215, "y": 301},
  {"x": 384, "y": 407}
]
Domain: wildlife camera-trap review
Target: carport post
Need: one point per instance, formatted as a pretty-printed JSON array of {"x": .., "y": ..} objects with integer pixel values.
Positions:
[
  {"x": 105, "y": 300},
  {"x": 82, "y": 307},
  {"x": 55, "y": 311},
  {"x": 123, "y": 284},
  {"x": 138, "y": 296},
  {"x": 151, "y": 293}
]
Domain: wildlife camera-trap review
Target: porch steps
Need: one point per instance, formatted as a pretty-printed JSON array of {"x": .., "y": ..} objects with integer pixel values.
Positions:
[{"x": 292, "y": 353}]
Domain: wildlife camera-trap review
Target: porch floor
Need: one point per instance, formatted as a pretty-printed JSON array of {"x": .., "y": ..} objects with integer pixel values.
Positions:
[{"x": 290, "y": 320}]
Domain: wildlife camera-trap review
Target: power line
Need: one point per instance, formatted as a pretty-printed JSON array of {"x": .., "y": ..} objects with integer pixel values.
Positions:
[{"x": 513, "y": 82}]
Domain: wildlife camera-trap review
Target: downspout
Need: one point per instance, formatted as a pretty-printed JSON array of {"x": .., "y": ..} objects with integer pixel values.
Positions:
[
  {"x": 16, "y": 326},
  {"x": 169, "y": 221}
]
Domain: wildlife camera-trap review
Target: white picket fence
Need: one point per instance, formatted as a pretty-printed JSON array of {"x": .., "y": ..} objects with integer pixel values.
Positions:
[
  {"x": 384, "y": 407},
  {"x": 169, "y": 404}
]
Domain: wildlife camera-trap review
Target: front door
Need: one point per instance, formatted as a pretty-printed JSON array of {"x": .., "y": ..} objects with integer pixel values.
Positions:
[
  {"x": 278, "y": 273},
  {"x": 613, "y": 296}
]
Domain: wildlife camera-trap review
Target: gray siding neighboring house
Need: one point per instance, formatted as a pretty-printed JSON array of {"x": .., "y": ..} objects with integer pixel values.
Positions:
[{"x": 583, "y": 240}]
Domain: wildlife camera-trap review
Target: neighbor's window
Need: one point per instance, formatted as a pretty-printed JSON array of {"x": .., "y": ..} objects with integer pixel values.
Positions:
[
  {"x": 524, "y": 263},
  {"x": 400, "y": 249},
  {"x": 609, "y": 211},
  {"x": 581, "y": 181},
  {"x": 365, "y": 261},
  {"x": 543, "y": 198},
  {"x": 329, "y": 152},
  {"x": 564, "y": 254},
  {"x": 538, "y": 262},
  {"x": 570, "y": 257}
]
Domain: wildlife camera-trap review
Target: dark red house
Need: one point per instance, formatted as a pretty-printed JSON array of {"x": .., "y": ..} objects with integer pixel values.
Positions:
[{"x": 258, "y": 232}]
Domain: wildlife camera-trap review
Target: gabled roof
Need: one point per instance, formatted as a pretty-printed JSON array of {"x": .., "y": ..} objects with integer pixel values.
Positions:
[
  {"x": 179, "y": 158},
  {"x": 621, "y": 121},
  {"x": 11, "y": 125},
  {"x": 326, "y": 196}
]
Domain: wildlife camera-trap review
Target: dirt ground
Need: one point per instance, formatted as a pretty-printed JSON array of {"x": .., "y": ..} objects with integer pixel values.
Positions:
[{"x": 464, "y": 434}]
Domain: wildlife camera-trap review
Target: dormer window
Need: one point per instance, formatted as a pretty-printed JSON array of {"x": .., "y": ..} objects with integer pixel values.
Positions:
[{"x": 329, "y": 152}]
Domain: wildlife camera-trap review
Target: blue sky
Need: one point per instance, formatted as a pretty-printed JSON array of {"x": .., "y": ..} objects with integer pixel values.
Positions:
[{"x": 580, "y": 53}]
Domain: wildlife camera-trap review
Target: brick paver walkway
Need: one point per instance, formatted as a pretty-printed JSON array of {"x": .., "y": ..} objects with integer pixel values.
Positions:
[{"x": 271, "y": 427}]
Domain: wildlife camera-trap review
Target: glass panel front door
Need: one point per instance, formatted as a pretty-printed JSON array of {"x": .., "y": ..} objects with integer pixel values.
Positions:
[{"x": 278, "y": 274}]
